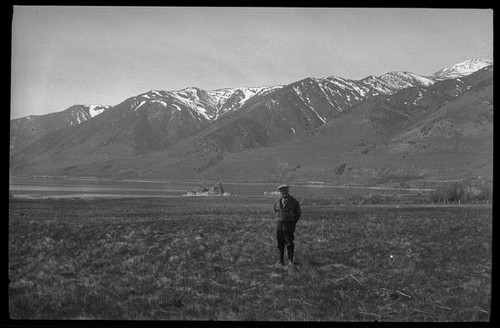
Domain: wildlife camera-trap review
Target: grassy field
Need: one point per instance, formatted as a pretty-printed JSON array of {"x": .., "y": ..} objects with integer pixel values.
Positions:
[{"x": 214, "y": 259}]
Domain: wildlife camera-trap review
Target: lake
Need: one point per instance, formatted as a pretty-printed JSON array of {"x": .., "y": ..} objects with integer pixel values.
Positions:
[{"x": 63, "y": 187}]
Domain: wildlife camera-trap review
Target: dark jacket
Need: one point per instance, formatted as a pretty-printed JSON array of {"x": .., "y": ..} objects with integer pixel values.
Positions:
[{"x": 287, "y": 210}]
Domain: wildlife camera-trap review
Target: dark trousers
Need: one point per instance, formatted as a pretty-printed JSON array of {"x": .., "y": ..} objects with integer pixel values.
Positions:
[{"x": 284, "y": 234}]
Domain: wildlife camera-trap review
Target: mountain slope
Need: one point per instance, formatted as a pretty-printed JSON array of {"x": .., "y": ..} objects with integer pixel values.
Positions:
[
  {"x": 30, "y": 128},
  {"x": 299, "y": 108},
  {"x": 459, "y": 136},
  {"x": 442, "y": 130}
]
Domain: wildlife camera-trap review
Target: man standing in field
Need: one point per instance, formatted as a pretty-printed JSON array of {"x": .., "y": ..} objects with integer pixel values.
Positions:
[{"x": 286, "y": 212}]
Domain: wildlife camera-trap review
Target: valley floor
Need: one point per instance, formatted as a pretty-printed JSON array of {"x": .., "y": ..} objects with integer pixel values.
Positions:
[{"x": 213, "y": 259}]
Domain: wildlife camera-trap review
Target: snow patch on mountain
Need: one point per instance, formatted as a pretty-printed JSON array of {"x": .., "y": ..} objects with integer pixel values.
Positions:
[
  {"x": 307, "y": 101},
  {"x": 419, "y": 96},
  {"x": 188, "y": 94},
  {"x": 339, "y": 82},
  {"x": 95, "y": 110},
  {"x": 386, "y": 84},
  {"x": 78, "y": 114},
  {"x": 326, "y": 94},
  {"x": 375, "y": 83},
  {"x": 230, "y": 99},
  {"x": 79, "y": 119},
  {"x": 402, "y": 80},
  {"x": 203, "y": 112},
  {"x": 139, "y": 105},
  {"x": 461, "y": 69},
  {"x": 222, "y": 95},
  {"x": 161, "y": 102},
  {"x": 349, "y": 85}
]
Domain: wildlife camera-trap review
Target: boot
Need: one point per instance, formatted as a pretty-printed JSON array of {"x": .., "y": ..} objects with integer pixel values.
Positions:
[
  {"x": 281, "y": 260},
  {"x": 291, "y": 259}
]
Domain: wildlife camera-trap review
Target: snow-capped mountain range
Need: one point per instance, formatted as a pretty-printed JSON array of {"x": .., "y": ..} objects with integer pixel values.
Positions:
[
  {"x": 212, "y": 104},
  {"x": 200, "y": 126}
]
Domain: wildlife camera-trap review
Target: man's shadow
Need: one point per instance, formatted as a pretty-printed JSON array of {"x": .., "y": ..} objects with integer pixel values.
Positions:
[{"x": 335, "y": 259}]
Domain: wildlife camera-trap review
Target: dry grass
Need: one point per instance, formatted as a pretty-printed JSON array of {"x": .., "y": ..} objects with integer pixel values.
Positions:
[{"x": 213, "y": 259}]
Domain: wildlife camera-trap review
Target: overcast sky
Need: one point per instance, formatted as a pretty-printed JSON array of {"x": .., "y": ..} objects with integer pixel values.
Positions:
[{"x": 63, "y": 56}]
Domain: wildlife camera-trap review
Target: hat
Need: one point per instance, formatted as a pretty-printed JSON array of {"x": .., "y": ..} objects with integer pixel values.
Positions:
[{"x": 283, "y": 187}]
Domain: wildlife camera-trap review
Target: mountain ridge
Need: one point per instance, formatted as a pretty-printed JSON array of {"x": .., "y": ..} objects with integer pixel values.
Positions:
[{"x": 464, "y": 68}]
